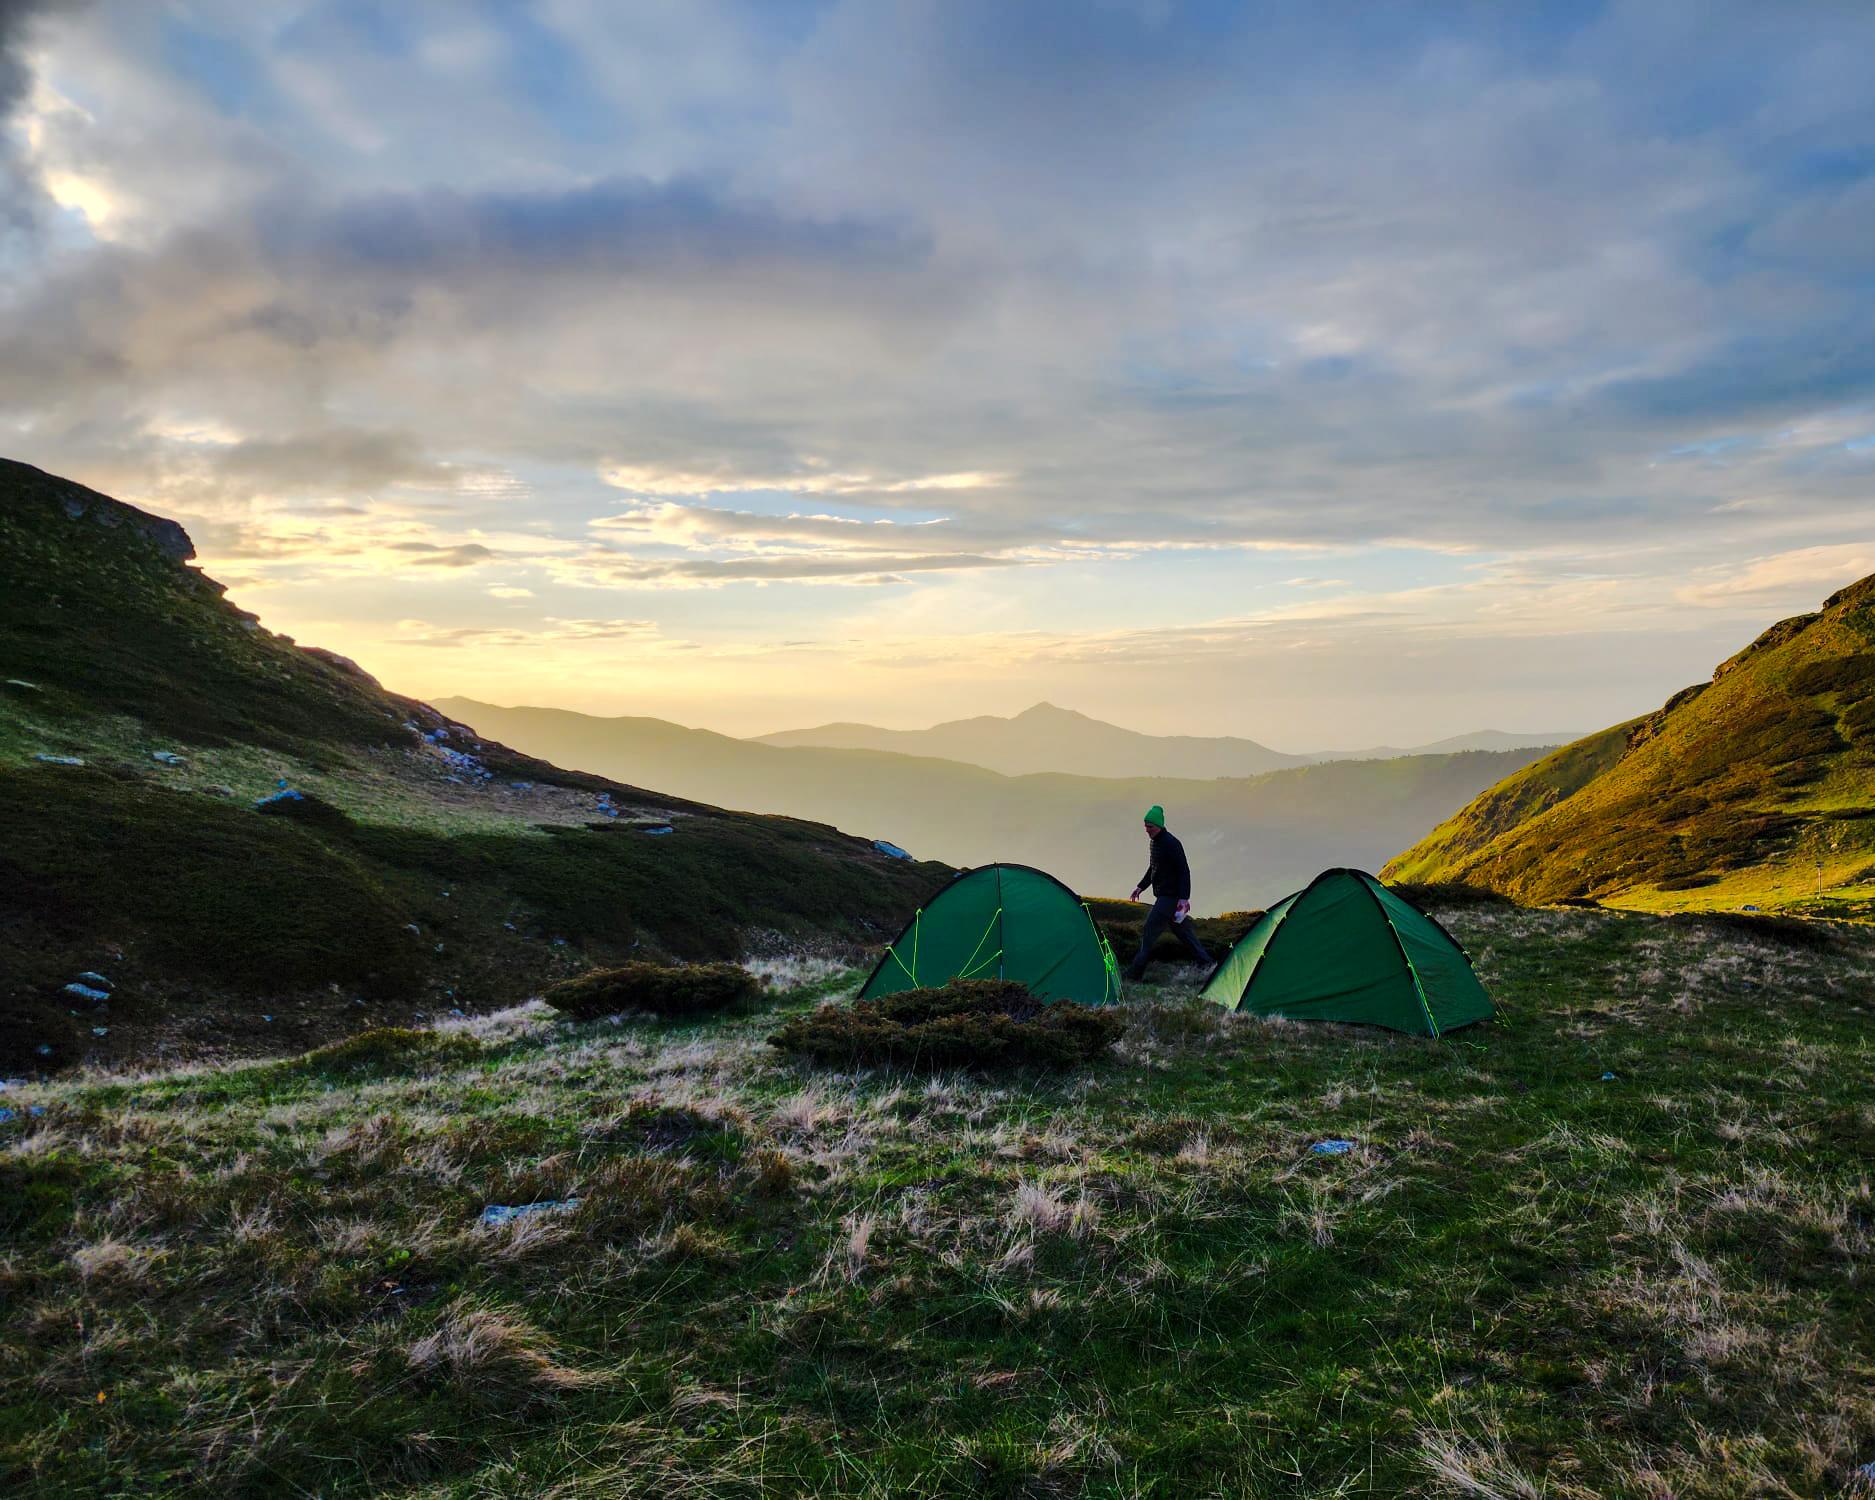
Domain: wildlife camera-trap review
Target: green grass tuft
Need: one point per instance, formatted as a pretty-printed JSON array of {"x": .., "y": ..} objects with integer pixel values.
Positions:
[{"x": 384, "y": 1049}]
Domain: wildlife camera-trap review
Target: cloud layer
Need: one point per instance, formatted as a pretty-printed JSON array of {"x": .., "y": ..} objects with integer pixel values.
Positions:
[{"x": 1131, "y": 321}]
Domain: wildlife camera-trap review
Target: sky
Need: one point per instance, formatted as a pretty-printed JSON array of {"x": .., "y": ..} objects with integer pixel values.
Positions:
[{"x": 1331, "y": 374}]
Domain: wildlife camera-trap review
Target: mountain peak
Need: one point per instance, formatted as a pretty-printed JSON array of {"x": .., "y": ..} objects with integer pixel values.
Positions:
[{"x": 1040, "y": 712}]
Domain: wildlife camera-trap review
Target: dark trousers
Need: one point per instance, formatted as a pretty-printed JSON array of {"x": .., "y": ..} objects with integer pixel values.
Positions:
[{"x": 1157, "y": 920}]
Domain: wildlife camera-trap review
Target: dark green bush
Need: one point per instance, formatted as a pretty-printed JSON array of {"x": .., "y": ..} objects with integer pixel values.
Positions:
[
  {"x": 1836, "y": 674},
  {"x": 386, "y": 1049},
  {"x": 1785, "y": 932},
  {"x": 969, "y": 1023},
  {"x": 1447, "y": 893},
  {"x": 1772, "y": 734},
  {"x": 698, "y": 989},
  {"x": 1859, "y": 723}
]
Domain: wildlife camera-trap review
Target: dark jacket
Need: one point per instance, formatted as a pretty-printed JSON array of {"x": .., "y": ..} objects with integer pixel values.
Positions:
[{"x": 1168, "y": 874}]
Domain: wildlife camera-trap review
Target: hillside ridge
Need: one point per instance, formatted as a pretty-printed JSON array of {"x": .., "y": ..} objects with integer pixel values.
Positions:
[
  {"x": 260, "y": 847},
  {"x": 1753, "y": 788}
]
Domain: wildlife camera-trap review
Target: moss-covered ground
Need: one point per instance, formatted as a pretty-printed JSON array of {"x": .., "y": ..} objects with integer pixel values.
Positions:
[{"x": 1615, "y": 1243}]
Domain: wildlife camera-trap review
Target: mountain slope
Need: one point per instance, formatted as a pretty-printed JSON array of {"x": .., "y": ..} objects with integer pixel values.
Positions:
[
  {"x": 1251, "y": 840},
  {"x": 1045, "y": 738},
  {"x": 1757, "y": 788},
  {"x": 423, "y": 869},
  {"x": 1049, "y": 739}
]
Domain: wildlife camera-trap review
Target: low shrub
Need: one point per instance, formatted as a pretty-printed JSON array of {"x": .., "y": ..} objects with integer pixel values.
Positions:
[
  {"x": 1858, "y": 723},
  {"x": 1772, "y": 734},
  {"x": 694, "y": 990},
  {"x": 969, "y": 1023},
  {"x": 381, "y": 1049},
  {"x": 1447, "y": 893},
  {"x": 1836, "y": 674},
  {"x": 1785, "y": 932}
]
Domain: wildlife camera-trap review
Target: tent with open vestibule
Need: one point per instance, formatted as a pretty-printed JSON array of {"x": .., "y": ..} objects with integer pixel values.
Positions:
[
  {"x": 1348, "y": 949},
  {"x": 1002, "y": 922}
]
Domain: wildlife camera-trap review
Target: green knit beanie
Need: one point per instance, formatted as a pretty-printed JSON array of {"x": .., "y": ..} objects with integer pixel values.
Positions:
[{"x": 1155, "y": 815}]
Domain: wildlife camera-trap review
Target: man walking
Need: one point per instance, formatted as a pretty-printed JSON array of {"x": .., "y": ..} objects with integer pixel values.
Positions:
[{"x": 1170, "y": 878}]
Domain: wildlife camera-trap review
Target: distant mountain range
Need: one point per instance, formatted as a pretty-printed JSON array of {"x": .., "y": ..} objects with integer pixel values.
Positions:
[
  {"x": 1251, "y": 839},
  {"x": 1050, "y": 739},
  {"x": 1756, "y": 788}
]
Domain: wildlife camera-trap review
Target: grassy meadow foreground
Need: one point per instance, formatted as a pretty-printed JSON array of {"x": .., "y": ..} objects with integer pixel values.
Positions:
[{"x": 1525, "y": 1278}]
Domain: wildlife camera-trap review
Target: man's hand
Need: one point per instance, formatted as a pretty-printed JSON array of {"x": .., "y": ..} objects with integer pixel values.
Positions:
[
  {"x": 1181, "y": 911},
  {"x": 1135, "y": 895}
]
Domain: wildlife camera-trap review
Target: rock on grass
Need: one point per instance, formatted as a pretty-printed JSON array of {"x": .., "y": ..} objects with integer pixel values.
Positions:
[
  {"x": 969, "y": 1023},
  {"x": 698, "y": 989}
]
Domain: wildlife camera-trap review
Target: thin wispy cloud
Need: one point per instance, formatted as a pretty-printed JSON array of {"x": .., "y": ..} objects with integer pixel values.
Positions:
[{"x": 551, "y": 632}]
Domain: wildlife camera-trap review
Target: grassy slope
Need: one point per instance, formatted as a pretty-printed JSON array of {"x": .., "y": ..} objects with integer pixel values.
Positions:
[
  {"x": 229, "y": 931},
  {"x": 1526, "y": 1279},
  {"x": 1251, "y": 841},
  {"x": 1512, "y": 802},
  {"x": 1758, "y": 788}
]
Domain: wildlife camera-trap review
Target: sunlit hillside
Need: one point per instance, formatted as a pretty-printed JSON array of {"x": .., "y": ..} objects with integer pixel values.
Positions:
[{"x": 1754, "y": 789}]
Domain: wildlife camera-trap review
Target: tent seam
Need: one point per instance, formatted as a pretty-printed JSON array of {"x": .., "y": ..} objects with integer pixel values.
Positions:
[
  {"x": 1412, "y": 972},
  {"x": 1294, "y": 898},
  {"x": 1002, "y": 932}
]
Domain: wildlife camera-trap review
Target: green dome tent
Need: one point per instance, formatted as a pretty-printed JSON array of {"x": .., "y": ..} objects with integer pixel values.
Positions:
[
  {"x": 1348, "y": 949},
  {"x": 1002, "y": 922}
]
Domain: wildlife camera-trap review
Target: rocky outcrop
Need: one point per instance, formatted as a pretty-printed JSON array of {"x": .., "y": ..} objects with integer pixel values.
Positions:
[{"x": 81, "y": 504}]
